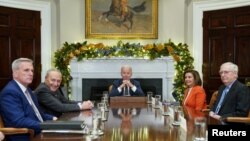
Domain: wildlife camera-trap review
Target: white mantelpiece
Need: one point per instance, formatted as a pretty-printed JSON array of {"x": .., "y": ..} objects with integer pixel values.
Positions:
[{"x": 110, "y": 68}]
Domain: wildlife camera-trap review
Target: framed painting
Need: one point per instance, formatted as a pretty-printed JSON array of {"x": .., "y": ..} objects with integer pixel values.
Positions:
[{"x": 121, "y": 19}]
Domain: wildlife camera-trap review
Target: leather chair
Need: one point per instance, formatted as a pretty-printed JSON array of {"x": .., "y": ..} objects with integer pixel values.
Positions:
[
  {"x": 211, "y": 103},
  {"x": 14, "y": 131},
  {"x": 110, "y": 88},
  {"x": 238, "y": 119},
  {"x": 227, "y": 119}
]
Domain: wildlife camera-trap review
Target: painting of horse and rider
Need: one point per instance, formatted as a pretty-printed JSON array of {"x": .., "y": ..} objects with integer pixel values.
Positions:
[{"x": 121, "y": 18}]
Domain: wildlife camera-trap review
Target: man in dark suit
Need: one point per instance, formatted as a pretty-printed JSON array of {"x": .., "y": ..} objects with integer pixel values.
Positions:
[
  {"x": 233, "y": 98},
  {"x": 18, "y": 106},
  {"x": 126, "y": 86},
  {"x": 52, "y": 99}
]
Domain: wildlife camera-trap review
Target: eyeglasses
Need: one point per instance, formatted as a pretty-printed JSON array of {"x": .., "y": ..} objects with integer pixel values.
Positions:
[{"x": 224, "y": 72}]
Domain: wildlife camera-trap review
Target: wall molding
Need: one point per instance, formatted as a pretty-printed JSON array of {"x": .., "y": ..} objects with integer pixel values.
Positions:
[
  {"x": 45, "y": 9},
  {"x": 197, "y": 9}
]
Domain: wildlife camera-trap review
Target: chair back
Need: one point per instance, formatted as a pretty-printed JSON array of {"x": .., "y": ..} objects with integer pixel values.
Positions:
[
  {"x": 1, "y": 122},
  {"x": 213, "y": 99},
  {"x": 211, "y": 102},
  {"x": 110, "y": 88},
  {"x": 14, "y": 131},
  {"x": 238, "y": 119}
]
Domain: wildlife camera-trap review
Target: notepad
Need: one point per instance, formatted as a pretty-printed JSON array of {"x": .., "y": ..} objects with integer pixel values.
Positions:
[
  {"x": 65, "y": 131},
  {"x": 62, "y": 125}
]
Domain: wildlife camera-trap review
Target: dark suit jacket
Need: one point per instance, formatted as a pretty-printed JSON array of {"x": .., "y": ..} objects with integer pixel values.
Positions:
[
  {"x": 236, "y": 102},
  {"x": 117, "y": 83},
  {"x": 54, "y": 102},
  {"x": 17, "y": 112}
]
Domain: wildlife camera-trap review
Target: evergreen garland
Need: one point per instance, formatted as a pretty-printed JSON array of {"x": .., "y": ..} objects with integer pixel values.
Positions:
[{"x": 179, "y": 52}]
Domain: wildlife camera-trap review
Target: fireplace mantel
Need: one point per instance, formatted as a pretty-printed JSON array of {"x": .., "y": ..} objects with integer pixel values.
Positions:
[{"x": 110, "y": 68}]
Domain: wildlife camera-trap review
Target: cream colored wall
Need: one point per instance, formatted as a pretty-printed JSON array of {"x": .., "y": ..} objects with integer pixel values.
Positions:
[
  {"x": 55, "y": 31},
  {"x": 170, "y": 22},
  {"x": 179, "y": 20}
]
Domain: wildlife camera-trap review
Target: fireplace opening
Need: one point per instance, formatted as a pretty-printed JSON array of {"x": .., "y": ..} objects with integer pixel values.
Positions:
[{"x": 92, "y": 89}]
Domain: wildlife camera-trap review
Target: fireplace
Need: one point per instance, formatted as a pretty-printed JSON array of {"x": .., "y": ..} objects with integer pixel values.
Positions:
[
  {"x": 93, "y": 88},
  {"x": 102, "y": 71}
]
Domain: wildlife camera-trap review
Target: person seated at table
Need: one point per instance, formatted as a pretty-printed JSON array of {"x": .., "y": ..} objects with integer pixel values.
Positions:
[
  {"x": 19, "y": 107},
  {"x": 194, "y": 94},
  {"x": 233, "y": 98},
  {"x": 126, "y": 86},
  {"x": 52, "y": 99}
]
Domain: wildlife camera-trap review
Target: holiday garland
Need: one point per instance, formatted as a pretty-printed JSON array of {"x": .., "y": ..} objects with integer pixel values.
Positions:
[{"x": 179, "y": 52}]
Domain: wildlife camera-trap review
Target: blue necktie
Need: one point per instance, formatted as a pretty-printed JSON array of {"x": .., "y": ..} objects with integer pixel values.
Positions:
[{"x": 224, "y": 93}]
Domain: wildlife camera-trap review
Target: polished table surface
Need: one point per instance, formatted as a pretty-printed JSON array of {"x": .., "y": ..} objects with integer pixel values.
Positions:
[{"x": 145, "y": 124}]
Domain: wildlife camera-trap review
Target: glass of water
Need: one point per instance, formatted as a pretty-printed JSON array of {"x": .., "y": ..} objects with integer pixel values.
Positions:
[
  {"x": 200, "y": 128},
  {"x": 157, "y": 101},
  {"x": 103, "y": 113},
  {"x": 105, "y": 94},
  {"x": 177, "y": 115},
  {"x": 149, "y": 97},
  {"x": 96, "y": 122},
  {"x": 105, "y": 102}
]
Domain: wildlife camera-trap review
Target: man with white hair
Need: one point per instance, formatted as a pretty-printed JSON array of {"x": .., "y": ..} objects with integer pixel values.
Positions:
[
  {"x": 18, "y": 105},
  {"x": 51, "y": 97},
  {"x": 233, "y": 98},
  {"x": 126, "y": 86}
]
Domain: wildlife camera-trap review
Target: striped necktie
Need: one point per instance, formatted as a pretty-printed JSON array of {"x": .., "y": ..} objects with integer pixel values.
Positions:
[
  {"x": 27, "y": 94},
  {"x": 224, "y": 93}
]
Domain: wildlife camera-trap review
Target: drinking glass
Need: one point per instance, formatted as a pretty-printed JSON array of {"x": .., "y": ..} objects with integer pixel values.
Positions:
[
  {"x": 166, "y": 120},
  {"x": 177, "y": 115},
  {"x": 149, "y": 107},
  {"x": 157, "y": 113},
  {"x": 105, "y": 94},
  {"x": 157, "y": 101},
  {"x": 105, "y": 102},
  {"x": 103, "y": 113},
  {"x": 96, "y": 122},
  {"x": 149, "y": 97},
  {"x": 165, "y": 108},
  {"x": 200, "y": 128}
]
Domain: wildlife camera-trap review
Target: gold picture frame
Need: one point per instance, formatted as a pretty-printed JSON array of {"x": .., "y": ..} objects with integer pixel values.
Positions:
[{"x": 121, "y": 19}]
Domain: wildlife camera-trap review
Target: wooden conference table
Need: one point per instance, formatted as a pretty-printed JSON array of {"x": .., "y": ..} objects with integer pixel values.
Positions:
[{"x": 144, "y": 124}]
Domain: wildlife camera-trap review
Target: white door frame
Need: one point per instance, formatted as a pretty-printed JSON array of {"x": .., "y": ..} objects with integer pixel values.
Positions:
[
  {"x": 195, "y": 34},
  {"x": 45, "y": 10}
]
